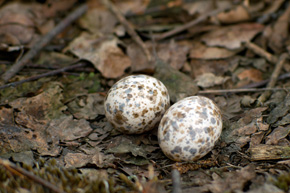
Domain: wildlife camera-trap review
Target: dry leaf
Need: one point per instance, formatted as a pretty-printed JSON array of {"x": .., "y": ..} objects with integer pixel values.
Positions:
[
  {"x": 68, "y": 129},
  {"x": 280, "y": 32},
  {"x": 87, "y": 107},
  {"x": 276, "y": 135},
  {"x": 232, "y": 37},
  {"x": 209, "y": 79},
  {"x": 139, "y": 60},
  {"x": 98, "y": 20},
  {"x": 251, "y": 74},
  {"x": 17, "y": 23},
  {"x": 235, "y": 15},
  {"x": 105, "y": 55},
  {"x": 173, "y": 54},
  {"x": 201, "y": 51}
]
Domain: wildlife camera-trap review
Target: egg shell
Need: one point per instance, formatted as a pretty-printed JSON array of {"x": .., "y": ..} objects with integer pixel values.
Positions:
[
  {"x": 190, "y": 128},
  {"x": 136, "y": 103}
]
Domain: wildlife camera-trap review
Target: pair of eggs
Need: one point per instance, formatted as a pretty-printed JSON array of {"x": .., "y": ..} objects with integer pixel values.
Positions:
[{"x": 187, "y": 130}]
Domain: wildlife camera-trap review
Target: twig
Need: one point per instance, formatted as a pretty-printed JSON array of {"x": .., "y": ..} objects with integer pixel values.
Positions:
[
  {"x": 17, "y": 170},
  {"x": 282, "y": 59},
  {"x": 240, "y": 90},
  {"x": 264, "y": 82},
  {"x": 51, "y": 73},
  {"x": 261, "y": 52},
  {"x": 129, "y": 27},
  {"x": 43, "y": 42},
  {"x": 175, "y": 176},
  {"x": 190, "y": 24}
]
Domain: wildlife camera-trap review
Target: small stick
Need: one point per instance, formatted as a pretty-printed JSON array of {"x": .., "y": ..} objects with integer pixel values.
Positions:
[
  {"x": 282, "y": 59},
  {"x": 261, "y": 52},
  {"x": 18, "y": 170},
  {"x": 264, "y": 82},
  {"x": 129, "y": 27},
  {"x": 51, "y": 73},
  {"x": 240, "y": 90},
  {"x": 190, "y": 24},
  {"x": 43, "y": 42},
  {"x": 175, "y": 176}
]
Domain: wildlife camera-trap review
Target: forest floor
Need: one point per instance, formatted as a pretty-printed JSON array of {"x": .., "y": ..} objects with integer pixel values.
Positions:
[{"x": 58, "y": 59}]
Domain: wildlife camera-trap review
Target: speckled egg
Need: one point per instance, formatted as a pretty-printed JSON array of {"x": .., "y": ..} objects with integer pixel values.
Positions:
[
  {"x": 135, "y": 104},
  {"x": 190, "y": 128}
]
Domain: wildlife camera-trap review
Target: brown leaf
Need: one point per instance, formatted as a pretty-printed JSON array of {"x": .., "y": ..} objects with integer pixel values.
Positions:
[
  {"x": 232, "y": 37},
  {"x": 67, "y": 129},
  {"x": 81, "y": 159},
  {"x": 179, "y": 85},
  {"x": 105, "y": 55},
  {"x": 232, "y": 181},
  {"x": 174, "y": 54},
  {"x": 17, "y": 21},
  {"x": 235, "y": 15},
  {"x": 52, "y": 8},
  {"x": 87, "y": 107},
  {"x": 217, "y": 67},
  {"x": 39, "y": 109},
  {"x": 198, "y": 7},
  {"x": 251, "y": 74},
  {"x": 276, "y": 135},
  {"x": 139, "y": 60},
  {"x": 280, "y": 32},
  {"x": 98, "y": 20},
  {"x": 6, "y": 116},
  {"x": 201, "y": 51},
  {"x": 257, "y": 138},
  {"x": 208, "y": 80}
]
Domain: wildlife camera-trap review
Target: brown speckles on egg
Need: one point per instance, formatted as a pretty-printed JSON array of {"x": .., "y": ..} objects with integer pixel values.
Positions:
[
  {"x": 135, "y": 115},
  {"x": 193, "y": 125},
  {"x": 144, "y": 112},
  {"x": 120, "y": 119},
  {"x": 136, "y": 101}
]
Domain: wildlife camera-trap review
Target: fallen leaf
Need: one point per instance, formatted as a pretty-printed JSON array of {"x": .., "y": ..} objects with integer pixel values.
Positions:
[
  {"x": 279, "y": 111},
  {"x": 17, "y": 21},
  {"x": 232, "y": 37},
  {"x": 179, "y": 85},
  {"x": 105, "y": 55},
  {"x": 52, "y": 8},
  {"x": 257, "y": 138},
  {"x": 80, "y": 160},
  {"x": 209, "y": 79},
  {"x": 251, "y": 74},
  {"x": 217, "y": 67},
  {"x": 276, "y": 135},
  {"x": 67, "y": 129},
  {"x": 87, "y": 107},
  {"x": 98, "y": 20},
  {"x": 201, "y": 51},
  {"x": 198, "y": 7},
  {"x": 235, "y": 15},
  {"x": 139, "y": 60},
  {"x": 280, "y": 32},
  {"x": 232, "y": 181},
  {"x": 43, "y": 107},
  {"x": 6, "y": 116},
  {"x": 173, "y": 54}
]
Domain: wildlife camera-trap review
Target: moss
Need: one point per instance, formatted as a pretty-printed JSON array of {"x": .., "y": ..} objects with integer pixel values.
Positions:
[
  {"x": 283, "y": 182},
  {"x": 68, "y": 180}
]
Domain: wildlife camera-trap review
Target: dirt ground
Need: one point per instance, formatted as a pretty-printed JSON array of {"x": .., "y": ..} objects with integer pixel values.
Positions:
[{"x": 58, "y": 59}]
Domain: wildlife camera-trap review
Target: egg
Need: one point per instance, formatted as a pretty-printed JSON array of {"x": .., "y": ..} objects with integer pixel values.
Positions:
[
  {"x": 190, "y": 128},
  {"x": 136, "y": 103}
]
